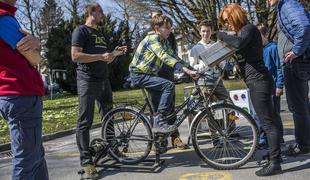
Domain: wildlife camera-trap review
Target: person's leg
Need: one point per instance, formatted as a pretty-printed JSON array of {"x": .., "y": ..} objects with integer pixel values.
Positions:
[
  {"x": 105, "y": 98},
  {"x": 222, "y": 94},
  {"x": 276, "y": 105},
  {"x": 166, "y": 88},
  {"x": 86, "y": 96},
  {"x": 296, "y": 78},
  {"x": 24, "y": 116},
  {"x": 260, "y": 93},
  {"x": 157, "y": 84},
  {"x": 167, "y": 72}
]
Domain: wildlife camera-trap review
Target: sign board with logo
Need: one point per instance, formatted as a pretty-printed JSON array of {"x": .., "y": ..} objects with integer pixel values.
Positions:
[{"x": 241, "y": 98}]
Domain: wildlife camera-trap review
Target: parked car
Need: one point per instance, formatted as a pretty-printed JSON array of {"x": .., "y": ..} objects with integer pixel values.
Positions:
[{"x": 48, "y": 87}]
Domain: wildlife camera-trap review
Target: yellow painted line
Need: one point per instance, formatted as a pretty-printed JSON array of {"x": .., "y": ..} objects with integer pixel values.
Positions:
[
  {"x": 288, "y": 122},
  {"x": 215, "y": 175}
]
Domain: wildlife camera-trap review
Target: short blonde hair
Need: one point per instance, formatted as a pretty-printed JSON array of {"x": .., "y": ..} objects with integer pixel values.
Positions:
[
  {"x": 160, "y": 20},
  {"x": 237, "y": 16}
]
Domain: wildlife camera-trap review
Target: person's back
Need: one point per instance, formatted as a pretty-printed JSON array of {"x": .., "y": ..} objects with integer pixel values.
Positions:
[{"x": 147, "y": 60}]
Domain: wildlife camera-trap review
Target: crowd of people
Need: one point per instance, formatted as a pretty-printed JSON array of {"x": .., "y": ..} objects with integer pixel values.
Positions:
[{"x": 260, "y": 60}]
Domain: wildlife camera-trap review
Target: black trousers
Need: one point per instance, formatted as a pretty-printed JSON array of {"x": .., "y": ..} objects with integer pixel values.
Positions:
[
  {"x": 88, "y": 94},
  {"x": 261, "y": 96},
  {"x": 296, "y": 77}
]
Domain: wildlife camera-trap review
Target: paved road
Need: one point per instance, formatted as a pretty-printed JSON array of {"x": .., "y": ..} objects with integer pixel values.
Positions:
[{"x": 63, "y": 162}]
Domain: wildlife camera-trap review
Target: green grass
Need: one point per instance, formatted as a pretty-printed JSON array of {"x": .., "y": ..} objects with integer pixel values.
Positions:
[{"x": 61, "y": 113}]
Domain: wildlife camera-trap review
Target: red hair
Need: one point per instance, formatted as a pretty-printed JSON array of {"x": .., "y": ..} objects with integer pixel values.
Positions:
[{"x": 237, "y": 16}]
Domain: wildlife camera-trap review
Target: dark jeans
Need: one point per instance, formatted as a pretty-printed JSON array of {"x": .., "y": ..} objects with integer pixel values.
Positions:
[
  {"x": 88, "y": 93},
  {"x": 165, "y": 72},
  {"x": 24, "y": 116},
  {"x": 296, "y": 77},
  {"x": 156, "y": 85},
  {"x": 276, "y": 102},
  {"x": 260, "y": 93}
]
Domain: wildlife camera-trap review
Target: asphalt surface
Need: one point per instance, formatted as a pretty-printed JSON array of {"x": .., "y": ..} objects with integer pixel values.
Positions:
[{"x": 63, "y": 162}]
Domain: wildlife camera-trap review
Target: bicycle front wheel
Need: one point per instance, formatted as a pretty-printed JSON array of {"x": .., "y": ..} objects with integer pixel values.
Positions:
[
  {"x": 225, "y": 136},
  {"x": 129, "y": 135}
]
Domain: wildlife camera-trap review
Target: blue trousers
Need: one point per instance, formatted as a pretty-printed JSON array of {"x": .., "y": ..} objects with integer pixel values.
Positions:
[
  {"x": 296, "y": 77},
  {"x": 156, "y": 85},
  {"x": 24, "y": 116}
]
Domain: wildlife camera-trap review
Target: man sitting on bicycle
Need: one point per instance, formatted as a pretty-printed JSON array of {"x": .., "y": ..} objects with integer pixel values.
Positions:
[{"x": 150, "y": 55}]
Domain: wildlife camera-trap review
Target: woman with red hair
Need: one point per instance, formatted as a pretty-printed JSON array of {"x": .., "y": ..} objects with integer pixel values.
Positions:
[{"x": 248, "y": 41}]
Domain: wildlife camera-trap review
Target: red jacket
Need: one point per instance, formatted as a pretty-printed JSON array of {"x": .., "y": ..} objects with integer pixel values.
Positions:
[{"x": 17, "y": 75}]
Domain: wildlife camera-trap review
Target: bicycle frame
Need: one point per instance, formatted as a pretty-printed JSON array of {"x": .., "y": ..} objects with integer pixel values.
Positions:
[{"x": 188, "y": 106}]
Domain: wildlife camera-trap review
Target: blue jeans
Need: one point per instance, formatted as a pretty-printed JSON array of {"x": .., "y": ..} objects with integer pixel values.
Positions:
[
  {"x": 296, "y": 77},
  {"x": 156, "y": 85},
  {"x": 24, "y": 116}
]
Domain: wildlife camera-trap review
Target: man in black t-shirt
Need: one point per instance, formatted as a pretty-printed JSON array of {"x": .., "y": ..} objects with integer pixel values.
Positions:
[{"x": 89, "y": 51}]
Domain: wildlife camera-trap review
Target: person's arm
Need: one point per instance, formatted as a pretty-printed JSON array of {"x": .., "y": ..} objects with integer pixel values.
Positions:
[
  {"x": 193, "y": 59},
  {"x": 26, "y": 44},
  {"x": 155, "y": 47},
  {"x": 30, "y": 48},
  {"x": 239, "y": 41},
  {"x": 78, "y": 56},
  {"x": 278, "y": 71},
  {"x": 300, "y": 21}
]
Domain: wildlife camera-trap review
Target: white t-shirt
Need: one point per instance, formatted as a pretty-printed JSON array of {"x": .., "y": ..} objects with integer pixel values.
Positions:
[{"x": 195, "y": 61}]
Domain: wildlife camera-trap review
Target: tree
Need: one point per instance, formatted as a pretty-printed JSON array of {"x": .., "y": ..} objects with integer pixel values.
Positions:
[
  {"x": 115, "y": 35},
  {"x": 50, "y": 15},
  {"x": 58, "y": 47}
]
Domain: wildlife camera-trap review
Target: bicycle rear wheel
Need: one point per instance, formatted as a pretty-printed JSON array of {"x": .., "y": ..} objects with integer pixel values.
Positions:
[
  {"x": 228, "y": 139},
  {"x": 129, "y": 135}
]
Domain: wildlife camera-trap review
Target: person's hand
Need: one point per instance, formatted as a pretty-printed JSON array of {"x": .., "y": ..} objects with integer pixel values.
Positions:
[
  {"x": 193, "y": 74},
  {"x": 119, "y": 50},
  {"x": 279, "y": 91},
  {"x": 107, "y": 57},
  {"x": 29, "y": 42},
  {"x": 289, "y": 57}
]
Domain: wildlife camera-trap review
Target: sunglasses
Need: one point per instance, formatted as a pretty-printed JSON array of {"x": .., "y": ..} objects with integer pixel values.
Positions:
[{"x": 226, "y": 20}]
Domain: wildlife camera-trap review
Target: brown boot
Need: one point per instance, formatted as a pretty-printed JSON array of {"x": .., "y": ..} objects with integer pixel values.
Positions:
[
  {"x": 90, "y": 172},
  {"x": 178, "y": 143}
]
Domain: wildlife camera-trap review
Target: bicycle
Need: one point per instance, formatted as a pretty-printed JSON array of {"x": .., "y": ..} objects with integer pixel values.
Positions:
[{"x": 215, "y": 139}]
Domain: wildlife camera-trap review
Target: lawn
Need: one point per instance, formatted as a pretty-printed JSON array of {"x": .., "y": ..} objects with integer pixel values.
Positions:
[{"x": 61, "y": 113}]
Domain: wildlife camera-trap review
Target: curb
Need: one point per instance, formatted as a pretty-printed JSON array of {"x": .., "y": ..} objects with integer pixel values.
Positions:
[{"x": 48, "y": 137}]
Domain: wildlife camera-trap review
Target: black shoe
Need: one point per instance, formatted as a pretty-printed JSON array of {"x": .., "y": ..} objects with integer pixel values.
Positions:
[
  {"x": 269, "y": 170},
  {"x": 295, "y": 150}
]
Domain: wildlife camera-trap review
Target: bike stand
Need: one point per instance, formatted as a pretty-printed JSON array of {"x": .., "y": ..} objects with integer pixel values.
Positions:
[{"x": 152, "y": 165}]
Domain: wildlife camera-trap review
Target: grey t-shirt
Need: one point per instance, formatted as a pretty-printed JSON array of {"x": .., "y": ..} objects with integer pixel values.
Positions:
[
  {"x": 92, "y": 41},
  {"x": 284, "y": 44},
  {"x": 212, "y": 73}
]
